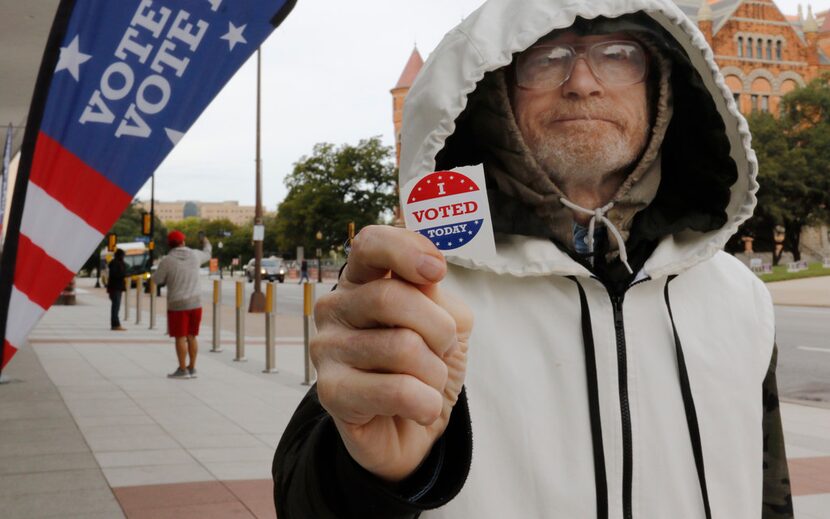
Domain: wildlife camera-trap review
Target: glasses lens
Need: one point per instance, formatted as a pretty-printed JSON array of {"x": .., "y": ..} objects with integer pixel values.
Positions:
[
  {"x": 618, "y": 62},
  {"x": 544, "y": 66}
]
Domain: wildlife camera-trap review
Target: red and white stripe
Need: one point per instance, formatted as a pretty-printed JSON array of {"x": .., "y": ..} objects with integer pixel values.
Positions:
[{"x": 68, "y": 209}]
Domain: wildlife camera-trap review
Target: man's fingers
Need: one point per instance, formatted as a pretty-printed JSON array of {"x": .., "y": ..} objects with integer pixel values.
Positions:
[
  {"x": 390, "y": 303},
  {"x": 356, "y": 397},
  {"x": 379, "y": 249},
  {"x": 390, "y": 350}
]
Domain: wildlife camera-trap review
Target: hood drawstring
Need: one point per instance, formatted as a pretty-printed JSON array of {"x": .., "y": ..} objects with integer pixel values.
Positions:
[
  {"x": 599, "y": 215},
  {"x": 689, "y": 407}
]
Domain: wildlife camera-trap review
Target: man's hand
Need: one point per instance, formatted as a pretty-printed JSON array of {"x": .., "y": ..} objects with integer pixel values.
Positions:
[{"x": 391, "y": 351}]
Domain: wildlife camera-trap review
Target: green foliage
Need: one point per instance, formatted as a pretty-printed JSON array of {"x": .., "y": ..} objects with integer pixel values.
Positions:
[
  {"x": 329, "y": 189},
  {"x": 794, "y": 159}
]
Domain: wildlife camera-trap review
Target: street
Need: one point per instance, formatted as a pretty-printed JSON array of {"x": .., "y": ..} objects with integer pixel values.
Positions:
[{"x": 803, "y": 336}]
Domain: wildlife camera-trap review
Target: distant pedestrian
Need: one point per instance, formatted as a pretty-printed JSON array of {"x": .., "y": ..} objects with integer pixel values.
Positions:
[
  {"x": 179, "y": 270},
  {"x": 115, "y": 286},
  {"x": 304, "y": 271}
]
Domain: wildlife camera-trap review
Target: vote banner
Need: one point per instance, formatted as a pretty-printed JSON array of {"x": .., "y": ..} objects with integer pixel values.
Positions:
[{"x": 120, "y": 84}]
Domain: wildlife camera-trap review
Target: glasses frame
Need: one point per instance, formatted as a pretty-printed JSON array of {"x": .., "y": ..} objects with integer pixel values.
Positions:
[{"x": 582, "y": 51}]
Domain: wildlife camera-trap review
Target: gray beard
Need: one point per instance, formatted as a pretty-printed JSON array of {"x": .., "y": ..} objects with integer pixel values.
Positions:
[{"x": 586, "y": 159}]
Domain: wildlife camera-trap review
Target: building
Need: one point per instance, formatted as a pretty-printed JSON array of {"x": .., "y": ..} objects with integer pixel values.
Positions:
[{"x": 176, "y": 211}]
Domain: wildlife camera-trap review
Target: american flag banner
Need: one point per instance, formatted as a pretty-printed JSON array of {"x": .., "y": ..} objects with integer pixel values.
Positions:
[{"x": 120, "y": 83}]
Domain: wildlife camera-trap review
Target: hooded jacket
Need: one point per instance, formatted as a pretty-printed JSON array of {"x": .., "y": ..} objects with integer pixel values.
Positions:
[
  {"x": 179, "y": 270},
  {"x": 589, "y": 392}
]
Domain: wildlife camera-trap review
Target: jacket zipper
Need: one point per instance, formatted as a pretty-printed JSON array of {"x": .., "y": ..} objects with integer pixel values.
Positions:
[{"x": 625, "y": 411}]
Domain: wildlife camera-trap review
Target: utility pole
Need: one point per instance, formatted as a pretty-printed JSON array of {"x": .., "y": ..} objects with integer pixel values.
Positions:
[{"x": 257, "y": 304}]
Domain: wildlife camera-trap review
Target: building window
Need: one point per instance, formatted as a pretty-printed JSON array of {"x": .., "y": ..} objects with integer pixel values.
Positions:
[
  {"x": 778, "y": 51},
  {"x": 737, "y": 98},
  {"x": 760, "y": 53},
  {"x": 754, "y": 103},
  {"x": 740, "y": 46},
  {"x": 749, "y": 47},
  {"x": 769, "y": 50},
  {"x": 765, "y": 103}
]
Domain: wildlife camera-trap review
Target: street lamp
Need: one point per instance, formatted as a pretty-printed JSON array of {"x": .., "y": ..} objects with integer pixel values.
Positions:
[{"x": 319, "y": 258}]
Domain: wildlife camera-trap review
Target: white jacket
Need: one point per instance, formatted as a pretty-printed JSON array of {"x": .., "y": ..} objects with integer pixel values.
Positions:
[{"x": 527, "y": 379}]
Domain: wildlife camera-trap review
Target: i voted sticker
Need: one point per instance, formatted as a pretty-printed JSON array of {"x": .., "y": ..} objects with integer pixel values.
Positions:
[{"x": 451, "y": 209}]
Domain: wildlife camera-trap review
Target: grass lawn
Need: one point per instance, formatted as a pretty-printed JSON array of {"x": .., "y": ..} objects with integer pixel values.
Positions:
[{"x": 780, "y": 273}]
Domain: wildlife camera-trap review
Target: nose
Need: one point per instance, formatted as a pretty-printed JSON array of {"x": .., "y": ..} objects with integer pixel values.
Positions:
[{"x": 582, "y": 82}]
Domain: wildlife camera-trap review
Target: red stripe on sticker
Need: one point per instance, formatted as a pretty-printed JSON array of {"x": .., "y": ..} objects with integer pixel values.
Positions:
[
  {"x": 38, "y": 275},
  {"x": 78, "y": 187},
  {"x": 8, "y": 353},
  {"x": 441, "y": 184}
]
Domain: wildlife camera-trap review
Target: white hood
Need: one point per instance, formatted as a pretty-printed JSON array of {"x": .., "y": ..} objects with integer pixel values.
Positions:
[{"x": 487, "y": 40}]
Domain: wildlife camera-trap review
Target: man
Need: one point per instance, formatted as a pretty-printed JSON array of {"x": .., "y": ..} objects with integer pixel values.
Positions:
[
  {"x": 179, "y": 270},
  {"x": 621, "y": 364},
  {"x": 117, "y": 273},
  {"x": 303, "y": 272}
]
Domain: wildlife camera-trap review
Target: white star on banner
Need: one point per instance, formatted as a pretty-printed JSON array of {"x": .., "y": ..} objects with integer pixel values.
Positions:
[
  {"x": 174, "y": 136},
  {"x": 234, "y": 35},
  {"x": 72, "y": 58},
  {"x": 214, "y": 4}
]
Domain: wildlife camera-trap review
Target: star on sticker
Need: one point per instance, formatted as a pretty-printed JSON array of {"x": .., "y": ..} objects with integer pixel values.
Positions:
[
  {"x": 234, "y": 35},
  {"x": 72, "y": 58}
]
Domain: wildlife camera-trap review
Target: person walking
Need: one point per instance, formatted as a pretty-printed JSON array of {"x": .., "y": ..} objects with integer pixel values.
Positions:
[
  {"x": 622, "y": 365},
  {"x": 179, "y": 271},
  {"x": 303, "y": 272},
  {"x": 117, "y": 273}
]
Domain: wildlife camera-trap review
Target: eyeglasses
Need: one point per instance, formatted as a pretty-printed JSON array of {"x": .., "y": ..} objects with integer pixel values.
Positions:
[{"x": 549, "y": 66}]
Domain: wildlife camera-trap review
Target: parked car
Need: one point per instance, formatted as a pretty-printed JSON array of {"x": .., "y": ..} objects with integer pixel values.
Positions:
[{"x": 272, "y": 269}]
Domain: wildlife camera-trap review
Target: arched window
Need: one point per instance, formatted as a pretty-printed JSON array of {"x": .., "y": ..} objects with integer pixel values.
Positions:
[
  {"x": 749, "y": 47},
  {"x": 778, "y": 51},
  {"x": 769, "y": 50},
  {"x": 740, "y": 46},
  {"x": 760, "y": 53}
]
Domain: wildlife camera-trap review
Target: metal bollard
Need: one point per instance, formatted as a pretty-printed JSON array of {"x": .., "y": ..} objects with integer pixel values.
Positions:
[
  {"x": 139, "y": 285},
  {"x": 240, "y": 322},
  {"x": 217, "y": 311},
  {"x": 270, "y": 327},
  {"x": 308, "y": 304},
  {"x": 127, "y": 299},
  {"x": 152, "y": 304}
]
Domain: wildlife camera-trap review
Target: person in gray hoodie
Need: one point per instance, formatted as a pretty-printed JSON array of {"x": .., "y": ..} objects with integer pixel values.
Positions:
[{"x": 179, "y": 270}]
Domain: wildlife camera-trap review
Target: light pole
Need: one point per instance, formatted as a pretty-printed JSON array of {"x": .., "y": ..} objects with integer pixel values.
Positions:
[
  {"x": 257, "y": 304},
  {"x": 319, "y": 256}
]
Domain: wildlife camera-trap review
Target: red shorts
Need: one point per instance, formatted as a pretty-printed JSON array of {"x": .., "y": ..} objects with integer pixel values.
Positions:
[{"x": 181, "y": 323}]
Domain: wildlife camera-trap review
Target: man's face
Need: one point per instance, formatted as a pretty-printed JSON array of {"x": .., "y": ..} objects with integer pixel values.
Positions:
[{"x": 588, "y": 128}]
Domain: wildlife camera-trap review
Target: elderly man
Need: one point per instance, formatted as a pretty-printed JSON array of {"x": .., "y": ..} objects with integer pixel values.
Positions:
[{"x": 621, "y": 364}]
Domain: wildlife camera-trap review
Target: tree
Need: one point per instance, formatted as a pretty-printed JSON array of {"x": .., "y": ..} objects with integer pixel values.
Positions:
[
  {"x": 794, "y": 158},
  {"x": 332, "y": 187}
]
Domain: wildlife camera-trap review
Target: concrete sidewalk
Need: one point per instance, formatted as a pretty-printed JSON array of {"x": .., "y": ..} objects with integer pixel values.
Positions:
[{"x": 90, "y": 427}]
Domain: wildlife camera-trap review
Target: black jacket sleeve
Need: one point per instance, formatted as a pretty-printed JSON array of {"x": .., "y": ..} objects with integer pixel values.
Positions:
[
  {"x": 778, "y": 499},
  {"x": 315, "y": 477}
]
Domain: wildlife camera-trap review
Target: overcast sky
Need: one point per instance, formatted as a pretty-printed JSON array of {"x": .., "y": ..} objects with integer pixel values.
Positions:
[{"x": 327, "y": 73}]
